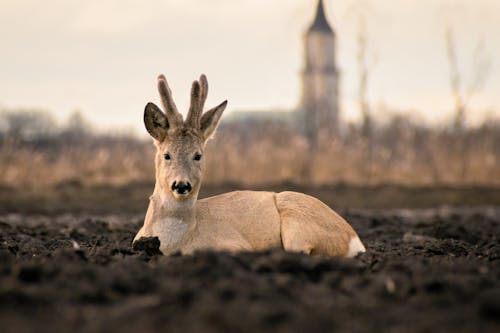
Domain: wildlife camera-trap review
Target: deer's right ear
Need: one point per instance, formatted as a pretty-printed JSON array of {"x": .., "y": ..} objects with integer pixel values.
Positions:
[{"x": 156, "y": 122}]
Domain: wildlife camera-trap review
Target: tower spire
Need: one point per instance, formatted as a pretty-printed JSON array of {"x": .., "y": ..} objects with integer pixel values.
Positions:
[
  {"x": 320, "y": 22},
  {"x": 320, "y": 80}
]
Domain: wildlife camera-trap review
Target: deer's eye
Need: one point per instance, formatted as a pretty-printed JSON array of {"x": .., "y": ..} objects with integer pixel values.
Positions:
[
  {"x": 197, "y": 157},
  {"x": 167, "y": 156}
]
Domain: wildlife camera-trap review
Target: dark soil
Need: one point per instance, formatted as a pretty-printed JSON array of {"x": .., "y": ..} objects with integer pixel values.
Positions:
[
  {"x": 425, "y": 271},
  {"x": 133, "y": 198}
]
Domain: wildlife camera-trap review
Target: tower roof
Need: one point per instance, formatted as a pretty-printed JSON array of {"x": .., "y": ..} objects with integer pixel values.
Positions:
[{"x": 320, "y": 22}]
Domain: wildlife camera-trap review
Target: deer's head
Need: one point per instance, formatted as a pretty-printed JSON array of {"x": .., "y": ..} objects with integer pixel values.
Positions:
[{"x": 181, "y": 143}]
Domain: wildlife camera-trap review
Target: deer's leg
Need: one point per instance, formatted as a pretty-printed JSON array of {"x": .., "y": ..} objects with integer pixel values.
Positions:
[
  {"x": 293, "y": 236},
  {"x": 309, "y": 226}
]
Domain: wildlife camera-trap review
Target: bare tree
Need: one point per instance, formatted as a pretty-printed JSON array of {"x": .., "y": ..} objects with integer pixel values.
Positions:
[
  {"x": 463, "y": 92},
  {"x": 363, "y": 67},
  {"x": 28, "y": 125}
]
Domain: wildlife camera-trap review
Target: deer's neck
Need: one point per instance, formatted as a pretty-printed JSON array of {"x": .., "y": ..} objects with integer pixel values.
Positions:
[{"x": 171, "y": 219}]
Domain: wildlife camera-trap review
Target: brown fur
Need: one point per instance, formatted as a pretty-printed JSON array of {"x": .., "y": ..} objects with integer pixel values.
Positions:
[{"x": 242, "y": 220}]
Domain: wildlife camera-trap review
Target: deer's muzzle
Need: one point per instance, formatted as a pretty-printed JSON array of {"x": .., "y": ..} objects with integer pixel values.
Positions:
[{"x": 181, "y": 188}]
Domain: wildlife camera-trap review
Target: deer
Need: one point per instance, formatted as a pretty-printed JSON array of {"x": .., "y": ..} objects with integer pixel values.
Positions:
[{"x": 234, "y": 221}]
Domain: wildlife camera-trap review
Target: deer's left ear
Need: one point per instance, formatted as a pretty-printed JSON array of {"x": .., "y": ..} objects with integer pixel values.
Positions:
[
  {"x": 156, "y": 122},
  {"x": 210, "y": 120}
]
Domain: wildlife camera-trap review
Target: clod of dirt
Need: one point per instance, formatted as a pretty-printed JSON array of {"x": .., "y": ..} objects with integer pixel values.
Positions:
[
  {"x": 410, "y": 237},
  {"x": 150, "y": 245},
  {"x": 490, "y": 304},
  {"x": 30, "y": 273}
]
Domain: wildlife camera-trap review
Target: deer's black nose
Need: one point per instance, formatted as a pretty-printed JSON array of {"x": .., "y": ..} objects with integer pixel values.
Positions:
[{"x": 181, "y": 187}]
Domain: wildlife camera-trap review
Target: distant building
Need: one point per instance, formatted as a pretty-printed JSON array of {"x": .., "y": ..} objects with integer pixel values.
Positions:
[
  {"x": 320, "y": 79},
  {"x": 318, "y": 112}
]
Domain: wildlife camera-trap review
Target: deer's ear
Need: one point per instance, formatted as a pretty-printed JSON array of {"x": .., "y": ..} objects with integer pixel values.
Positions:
[
  {"x": 210, "y": 120},
  {"x": 156, "y": 122}
]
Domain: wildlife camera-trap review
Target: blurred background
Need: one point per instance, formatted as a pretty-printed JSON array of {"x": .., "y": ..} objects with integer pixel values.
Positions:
[{"x": 321, "y": 93}]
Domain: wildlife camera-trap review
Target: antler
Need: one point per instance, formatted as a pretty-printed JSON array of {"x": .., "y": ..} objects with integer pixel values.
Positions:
[
  {"x": 173, "y": 115},
  {"x": 204, "y": 91},
  {"x": 199, "y": 93}
]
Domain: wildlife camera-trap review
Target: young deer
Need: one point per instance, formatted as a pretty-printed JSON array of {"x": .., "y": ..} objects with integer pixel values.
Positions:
[{"x": 234, "y": 221}]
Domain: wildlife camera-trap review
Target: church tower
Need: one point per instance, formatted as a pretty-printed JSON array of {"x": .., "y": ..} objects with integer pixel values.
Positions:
[{"x": 320, "y": 95}]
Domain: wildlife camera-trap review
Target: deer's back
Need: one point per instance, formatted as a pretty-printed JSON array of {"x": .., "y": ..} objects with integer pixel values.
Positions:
[{"x": 250, "y": 218}]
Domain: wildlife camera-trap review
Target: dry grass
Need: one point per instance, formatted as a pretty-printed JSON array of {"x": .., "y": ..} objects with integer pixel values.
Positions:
[
  {"x": 268, "y": 153},
  {"x": 400, "y": 154}
]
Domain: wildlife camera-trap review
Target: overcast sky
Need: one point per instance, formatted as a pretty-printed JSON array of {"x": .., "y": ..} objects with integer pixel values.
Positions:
[{"x": 102, "y": 56}]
